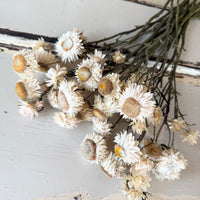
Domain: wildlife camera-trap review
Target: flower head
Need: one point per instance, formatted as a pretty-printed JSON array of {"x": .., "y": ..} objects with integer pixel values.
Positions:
[
  {"x": 126, "y": 148},
  {"x": 69, "y": 46},
  {"x": 118, "y": 57},
  {"x": 101, "y": 127},
  {"x": 156, "y": 118},
  {"x": 191, "y": 136},
  {"x": 177, "y": 124},
  {"x": 139, "y": 126},
  {"x": 98, "y": 57},
  {"x": 52, "y": 96}
]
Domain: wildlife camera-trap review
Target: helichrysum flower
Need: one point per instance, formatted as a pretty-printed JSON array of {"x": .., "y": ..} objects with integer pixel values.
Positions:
[
  {"x": 31, "y": 110},
  {"x": 101, "y": 127},
  {"x": 126, "y": 148},
  {"x": 56, "y": 76},
  {"x": 139, "y": 126},
  {"x": 98, "y": 57},
  {"x": 118, "y": 57},
  {"x": 28, "y": 88},
  {"x": 40, "y": 43},
  {"x": 110, "y": 86},
  {"x": 112, "y": 167},
  {"x": 191, "y": 137},
  {"x": 88, "y": 74},
  {"x": 104, "y": 108},
  {"x": 70, "y": 100},
  {"x": 24, "y": 63},
  {"x": 65, "y": 120},
  {"x": 86, "y": 114},
  {"x": 94, "y": 148},
  {"x": 177, "y": 124},
  {"x": 156, "y": 118},
  {"x": 45, "y": 59},
  {"x": 135, "y": 104},
  {"x": 69, "y": 46},
  {"x": 169, "y": 165},
  {"x": 52, "y": 96}
]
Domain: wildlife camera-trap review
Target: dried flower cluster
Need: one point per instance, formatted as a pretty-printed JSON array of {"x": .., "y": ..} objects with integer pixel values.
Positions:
[{"x": 107, "y": 85}]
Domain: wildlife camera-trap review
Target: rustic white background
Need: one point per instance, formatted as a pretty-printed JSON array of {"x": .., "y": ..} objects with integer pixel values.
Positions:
[{"x": 39, "y": 159}]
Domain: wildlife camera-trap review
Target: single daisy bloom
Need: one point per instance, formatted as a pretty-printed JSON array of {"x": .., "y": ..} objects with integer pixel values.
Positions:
[
  {"x": 139, "y": 126},
  {"x": 86, "y": 114},
  {"x": 156, "y": 118},
  {"x": 52, "y": 97},
  {"x": 88, "y": 74},
  {"x": 40, "y": 43},
  {"x": 177, "y": 124},
  {"x": 110, "y": 86},
  {"x": 94, "y": 148},
  {"x": 56, "y": 76},
  {"x": 24, "y": 62},
  {"x": 118, "y": 57},
  {"x": 135, "y": 104},
  {"x": 98, "y": 57},
  {"x": 126, "y": 148},
  {"x": 101, "y": 127},
  {"x": 191, "y": 137},
  {"x": 66, "y": 121},
  {"x": 70, "y": 100},
  {"x": 28, "y": 88},
  {"x": 30, "y": 110},
  {"x": 169, "y": 165},
  {"x": 103, "y": 108},
  {"x": 112, "y": 167},
  {"x": 45, "y": 59},
  {"x": 69, "y": 46}
]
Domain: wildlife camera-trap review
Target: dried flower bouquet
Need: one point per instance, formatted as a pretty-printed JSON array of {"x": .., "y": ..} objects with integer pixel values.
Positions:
[{"x": 111, "y": 81}]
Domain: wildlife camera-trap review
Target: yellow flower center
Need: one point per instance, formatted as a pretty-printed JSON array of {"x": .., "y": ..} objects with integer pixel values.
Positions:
[
  {"x": 88, "y": 149},
  {"x": 105, "y": 86},
  {"x": 99, "y": 114},
  {"x": 19, "y": 63},
  {"x": 84, "y": 74},
  {"x": 20, "y": 90},
  {"x": 119, "y": 150},
  {"x": 62, "y": 101},
  {"x": 131, "y": 107},
  {"x": 67, "y": 44}
]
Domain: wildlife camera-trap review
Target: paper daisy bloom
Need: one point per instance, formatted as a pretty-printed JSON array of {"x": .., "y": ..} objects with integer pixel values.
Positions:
[
  {"x": 24, "y": 63},
  {"x": 169, "y": 165},
  {"x": 103, "y": 108},
  {"x": 86, "y": 113},
  {"x": 56, "y": 76},
  {"x": 70, "y": 100},
  {"x": 118, "y": 57},
  {"x": 40, "y": 43},
  {"x": 177, "y": 124},
  {"x": 110, "y": 86},
  {"x": 156, "y": 117},
  {"x": 98, "y": 57},
  {"x": 52, "y": 97},
  {"x": 69, "y": 46},
  {"x": 28, "y": 88},
  {"x": 45, "y": 59},
  {"x": 126, "y": 148},
  {"x": 88, "y": 74},
  {"x": 135, "y": 104},
  {"x": 65, "y": 121},
  {"x": 101, "y": 127},
  {"x": 94, "y": 148},
  {"x": 112, "y": 167},
  {"x": 191, "y": 137},
  {"x": 139, "y": 126}
]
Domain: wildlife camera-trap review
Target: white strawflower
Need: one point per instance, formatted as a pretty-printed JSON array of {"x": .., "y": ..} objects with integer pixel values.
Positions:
[
  {"x": 40, "y": 43},
  {"x": 69, "y": 46},
  {"x": 24, "y": 63},
  {"x": 135, "y": 103},
  {"x": 139, "y": 126},
  {"x": 118, "y": 57},
  {"x": 101, "y": 127},
  {"x": 169, "y": 165},
  {"x": 112, "y": 167},
  {"x": 56, "y": 76},
  {"x": 45, "y": 59},
  {"x": 28, "y": 88},
  {"x": 98, "y": 57},
  {"x": 126, "y": 148},
  {"x": 191, "y": 137},
  {"x": 177, "y": 124},
  {"x": 70, "y": 100},
  {"x": 88, "y": 74},
  {"x": 156, "y": 118},
  {"x": 53, "y": 98},
  {"x": 66, "y": 121},
  {"x": 94, "y": 148},
  {"x": 110, "y": 86},
  {"x": 104, "y": 108}
]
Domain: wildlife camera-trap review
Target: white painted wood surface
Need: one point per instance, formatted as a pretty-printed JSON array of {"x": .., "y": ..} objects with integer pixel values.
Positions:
[{"x": 39, "y": 159}]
